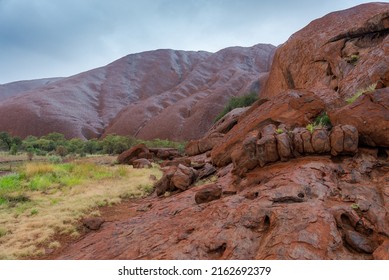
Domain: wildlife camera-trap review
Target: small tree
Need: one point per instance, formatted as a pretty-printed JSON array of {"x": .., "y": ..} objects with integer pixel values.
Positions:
[{"x": 5, "y": 140}]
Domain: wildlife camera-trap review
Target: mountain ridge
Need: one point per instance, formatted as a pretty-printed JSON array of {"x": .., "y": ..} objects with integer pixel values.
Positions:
[{"x": 125, "y": 96}]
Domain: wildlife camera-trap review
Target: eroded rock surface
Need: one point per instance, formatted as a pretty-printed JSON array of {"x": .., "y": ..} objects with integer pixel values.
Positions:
[{"x": 305, "y": 208}]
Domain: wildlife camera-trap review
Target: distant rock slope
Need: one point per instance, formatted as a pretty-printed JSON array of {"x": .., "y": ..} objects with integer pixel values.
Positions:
[{"x": 163, "y": 93}]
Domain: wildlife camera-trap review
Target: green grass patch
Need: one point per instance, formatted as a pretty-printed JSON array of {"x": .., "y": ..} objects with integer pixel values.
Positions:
[
  {"x": 321, "y": 121},
  {"x": 279, "y": 131},
  {"x": 45, "y": 176},
  {"x": 46, "y": 198}
]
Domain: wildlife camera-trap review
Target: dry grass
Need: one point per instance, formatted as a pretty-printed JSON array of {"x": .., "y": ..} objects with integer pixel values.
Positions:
[
  {"x": 32, "y": 169},
  {"x": 27, "y": 227}
]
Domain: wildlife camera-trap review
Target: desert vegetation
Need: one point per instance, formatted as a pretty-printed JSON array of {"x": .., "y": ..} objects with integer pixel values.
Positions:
[
  {"x": 48, "y": 183},
  {"x": 55, "y": 144},
  {"x": 41, "y": 199},
  {"x": 361, "y": 92},
  {"x": 321, "y": 121}
]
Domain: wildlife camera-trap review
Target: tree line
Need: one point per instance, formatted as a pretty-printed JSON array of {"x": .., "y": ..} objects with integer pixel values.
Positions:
[{"x": 56, "y": 143}]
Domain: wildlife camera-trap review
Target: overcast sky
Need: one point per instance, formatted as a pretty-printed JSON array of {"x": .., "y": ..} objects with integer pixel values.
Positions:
[{"x": 51, "y": 38}]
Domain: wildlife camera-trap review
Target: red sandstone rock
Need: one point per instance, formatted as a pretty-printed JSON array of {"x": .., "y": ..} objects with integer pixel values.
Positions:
[
  {"x": 208, "y": 193},
  {"x": 336, "y": 140},
  {"x": 136, "y": 152},
  {"x": 370, "y": 115},
  {"x": 205, "y": 144},
  {"x": 183, "y": 177},
  {"x": 93, "y": 223},
  {"x": 316, "y": 58},
  {"x": 382, "y": 252},
  {"x": 141, "y": 163},
  {"x": 245, "y": 157},
  {"x": 320, "y": 141},
  {"x": 227, "y": 122},
  {"x": 288, "y": 210},
  {"x": 284, "y": 146}
]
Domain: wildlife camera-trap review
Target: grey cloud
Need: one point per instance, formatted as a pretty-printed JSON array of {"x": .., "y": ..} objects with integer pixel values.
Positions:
[{"x": 40, "y": 38}]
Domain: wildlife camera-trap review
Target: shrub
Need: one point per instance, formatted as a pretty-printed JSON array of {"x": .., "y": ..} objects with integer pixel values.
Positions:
[
  {"x": 238, "y": 102},
  {"x": 14, "y": 149},
  {"x": 323, "y": 120},
  {"x": 353, "y": 59},
  {"x": 55, "y": 159}
]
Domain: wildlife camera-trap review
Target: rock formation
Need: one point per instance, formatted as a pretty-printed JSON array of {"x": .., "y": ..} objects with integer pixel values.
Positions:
[{"x": 162, "y": 94}]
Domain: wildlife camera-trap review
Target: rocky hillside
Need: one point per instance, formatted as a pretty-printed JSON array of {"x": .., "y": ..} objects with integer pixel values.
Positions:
[
  {"x": 145, "y": 95},
  {"x": 281, "y": 189}
]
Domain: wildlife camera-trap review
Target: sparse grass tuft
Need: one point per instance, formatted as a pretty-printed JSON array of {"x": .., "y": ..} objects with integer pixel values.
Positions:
[
  {"x": 355, "y": 206},
  {"x": 353, "y": 59},
  {"x": 310, "y": 127},
  {"x": 360, "y": 92},
  {"x": 321, "y": 121}
]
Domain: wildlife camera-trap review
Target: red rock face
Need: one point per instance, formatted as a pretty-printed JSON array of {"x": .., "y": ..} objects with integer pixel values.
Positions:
[
  {"x": 336, "y": 55},
  {"x": 309, "y": 208},
  {"x": 157, "y": 94}
]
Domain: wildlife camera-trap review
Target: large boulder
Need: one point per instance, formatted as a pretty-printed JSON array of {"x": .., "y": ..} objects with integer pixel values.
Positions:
[
  {"x": 164, "y": 184},
  {"x": 136, "y": 152},
  {"x": 175, "y": 178},
  {"x": 208, "y": 193},
  {"x": 205, "y": 144},
  {"x": 183, "y": 177},
  {"x": 370, "y": 115}
]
